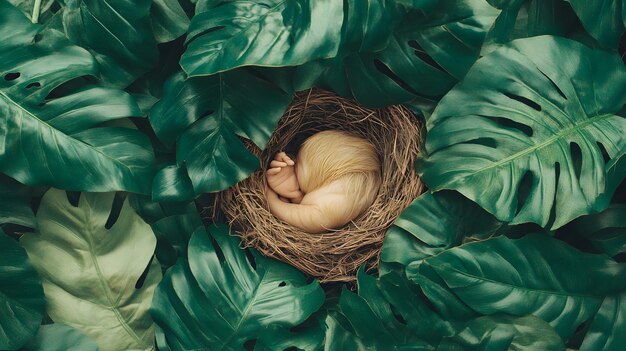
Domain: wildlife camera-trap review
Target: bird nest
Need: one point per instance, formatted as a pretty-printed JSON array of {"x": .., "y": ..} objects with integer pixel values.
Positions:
[{"x": 334, "y": 255}]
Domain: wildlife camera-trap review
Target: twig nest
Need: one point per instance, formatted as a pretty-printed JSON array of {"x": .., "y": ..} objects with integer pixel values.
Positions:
[{"x": 334, "y": 255}]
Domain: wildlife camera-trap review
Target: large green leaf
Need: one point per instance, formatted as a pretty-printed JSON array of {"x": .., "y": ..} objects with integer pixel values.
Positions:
[
  {"x": 205, "y": 116},
  {"x": 22, "y": 301},
  {"x": 434, "y": 223},
  {"x": 117, "y": 32},
  {"x": 221, "y": 298},
  {"x": 424, "y": 57},
  {"x": 607, "y": 331},
  {"x": 61, "y": 141},
  {"x": 237, "y": 33},
  {"x": 59, "y": 337},
  {"x": 526, "y": 133},
  {"x": 534, "y": 275},
  {"x": 602, "y": 19},
  {"x": 95, "y": 268},
  {"x": 503, "y": 333}
]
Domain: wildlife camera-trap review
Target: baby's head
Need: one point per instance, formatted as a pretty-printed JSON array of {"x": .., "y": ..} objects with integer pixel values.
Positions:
[{"x": 332, "y": 155}]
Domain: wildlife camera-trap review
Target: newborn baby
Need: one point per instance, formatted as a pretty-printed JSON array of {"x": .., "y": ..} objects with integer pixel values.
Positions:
[{"x": 334, "y": 178}]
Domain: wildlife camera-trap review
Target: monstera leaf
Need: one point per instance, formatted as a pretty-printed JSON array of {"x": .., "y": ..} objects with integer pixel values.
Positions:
[
  {"x": 55, "y": 141},
  {"x": 502, "y": 333},
  {"x": 169, "y": 20},
  {"x": 530, "y": 132},
  {"x": 22, "y": 302},
  {"x": 102, "y": 287},
  {"x": 222, "y": 298},
  {"x": 608, "y": 328},
  {"x": 426, "y": 55},
  {"x": 237, "y": 33},
  {"x": 603, "y": 19},
  {"x": 534, "y": 275},
  {"x": 116, "y": 32},
  {"x": 434, "y": 223},
  {"x": 59, "y": 337},
  {"x": 368, "y": 321},
  {"x": 204, "y": 117}
]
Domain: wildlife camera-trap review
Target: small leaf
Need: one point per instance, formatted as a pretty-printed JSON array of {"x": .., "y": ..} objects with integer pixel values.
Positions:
[
  {"x": 220, "y": 298},
  {"x": 265, "y": 33},
  {"x": 169, "y": 20},
  {"x": 15, "y": 203},
  {"x": 22, "y": 301},
  {"x": 602, "y": 19},
  {"x": 173, "y": 234},
  {"x": 607, "y": 331},
  {"x": 606, "y": 231},
  {"x": 98, "y": 288}
]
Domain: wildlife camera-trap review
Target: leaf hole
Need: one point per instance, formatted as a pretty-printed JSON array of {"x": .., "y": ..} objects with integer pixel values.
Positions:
[
  {"x": 524, "y": 188},
  {"x": 142, "y": 277},
  {"x": 250, "y": 344},
  {"x": 37, "y": 38},
  {"x": 33, "y": 85},
  {"x": 605, "y": 154},
  {"x": 556, "y": 87},
  {"x": 12, "y": 76},
  {"x": 577, "y": 158},
  {"x": 205, "y": 32},
  {"x": 73, "y": 197},
  {"x": 397, "y": 315},
  {"x": 557, "y": 176},
  {"x": 116, "y": 210},
  {"x": 488, "y": 142},
  {"x": 384, "y": 69},
  {"x": 526, "y": 101},
  {"x": 282, "y": 284},
  {"x": 423, "y": 55},
  {"x": 218, "y": 250},
  {"x": 250, "y": 258},
  {"x": 620, "y": 257},
  {"x": 509, "y": 123}
]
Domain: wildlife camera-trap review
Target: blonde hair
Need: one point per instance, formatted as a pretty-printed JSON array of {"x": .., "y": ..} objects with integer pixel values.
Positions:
[{"x": 332, "y": 155}]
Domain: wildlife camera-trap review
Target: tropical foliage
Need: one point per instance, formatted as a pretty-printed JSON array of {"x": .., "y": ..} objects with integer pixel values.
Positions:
[{"x": 120, "y": 118}]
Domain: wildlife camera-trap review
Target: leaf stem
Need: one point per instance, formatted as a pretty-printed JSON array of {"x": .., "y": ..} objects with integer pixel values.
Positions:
[{"x": 36, "y": 9}]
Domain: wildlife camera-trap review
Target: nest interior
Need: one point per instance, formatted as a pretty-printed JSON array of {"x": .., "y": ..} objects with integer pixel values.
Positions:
[{"x": 335, "y": 255}]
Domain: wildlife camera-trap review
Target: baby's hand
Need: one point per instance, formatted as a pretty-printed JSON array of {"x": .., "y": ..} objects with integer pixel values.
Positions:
[{"x": 281, "y": 177}]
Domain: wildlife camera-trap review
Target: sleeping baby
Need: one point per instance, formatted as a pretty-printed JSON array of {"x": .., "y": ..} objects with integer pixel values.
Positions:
[{"x": 334, "y": 178}]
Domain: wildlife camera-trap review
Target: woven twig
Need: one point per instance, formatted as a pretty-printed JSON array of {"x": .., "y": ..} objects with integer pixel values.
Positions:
[{"x": 335, "y": 255}]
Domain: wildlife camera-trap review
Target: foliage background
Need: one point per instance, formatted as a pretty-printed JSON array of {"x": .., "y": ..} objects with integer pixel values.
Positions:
[{"x": 119, "y": 119}]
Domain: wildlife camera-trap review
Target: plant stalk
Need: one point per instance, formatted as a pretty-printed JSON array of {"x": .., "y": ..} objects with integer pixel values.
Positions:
[{"x": 36, "y": 9}]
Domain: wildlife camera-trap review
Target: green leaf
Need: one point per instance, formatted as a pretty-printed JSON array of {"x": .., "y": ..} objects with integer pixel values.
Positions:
[
  {"x": 59, "y": 337},
  {"x": 15, "y": 203},
  {"x": 172, "y": 183},
  {"x": 602, "y": 19},
  {"x": 424, "y": 57},
  {"x": 434, "y": 223},
  {"x": 502, "y": 333},
  {"x": 524, "y": 133},
  {"x": 607, "y": 331},
  {"x": 205, "y": 116},
  {"x": 606, "y": 231},
  {"x": 60, "y": 141},
  {"x": 173, "y": 234},
  {"x": 117, "y": 33},
  {"x": 222, "y": 298},
  {"x": 169, "y": 20},
  {"x": 93, "y": 267},
  {"x": 151, "y": 211},
  {"x": 22, "y": 301},
  {"x": 264, "y": 33},
  {"x": 534, "y": 275}
]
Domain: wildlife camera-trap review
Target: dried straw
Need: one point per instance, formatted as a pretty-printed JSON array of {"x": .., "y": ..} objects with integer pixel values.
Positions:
[{"x": 335, "y": 255}]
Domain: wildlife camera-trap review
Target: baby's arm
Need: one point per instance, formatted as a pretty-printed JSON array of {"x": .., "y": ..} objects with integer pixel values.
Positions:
[{"x": 310, "y": 216}]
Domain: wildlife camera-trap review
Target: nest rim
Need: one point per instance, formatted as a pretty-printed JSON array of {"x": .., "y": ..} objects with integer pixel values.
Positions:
[{"x": 335, "y": 255}]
